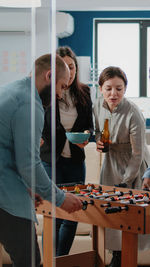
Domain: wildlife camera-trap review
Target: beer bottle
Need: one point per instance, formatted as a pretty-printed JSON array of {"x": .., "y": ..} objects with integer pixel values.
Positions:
[{"x": 105, "y": 136}]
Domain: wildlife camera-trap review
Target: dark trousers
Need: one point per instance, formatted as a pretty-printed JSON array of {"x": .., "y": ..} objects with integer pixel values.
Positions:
[
  {"x": 67, "y": 171},
  {"x": 18, "y": 236}
]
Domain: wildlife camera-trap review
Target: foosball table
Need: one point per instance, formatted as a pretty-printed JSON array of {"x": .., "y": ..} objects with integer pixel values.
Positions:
[{"x": 103, "y": 207}]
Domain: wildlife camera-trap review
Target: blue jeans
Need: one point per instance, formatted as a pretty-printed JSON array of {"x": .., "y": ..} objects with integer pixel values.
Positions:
[{"x": 67, "y": 171}]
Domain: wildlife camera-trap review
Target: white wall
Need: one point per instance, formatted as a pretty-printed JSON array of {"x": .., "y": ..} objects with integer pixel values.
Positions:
[
  {"x": 15, "y": 47},
  {"x": 43, "y": 26},
  {"x": 96, "y": 5}
]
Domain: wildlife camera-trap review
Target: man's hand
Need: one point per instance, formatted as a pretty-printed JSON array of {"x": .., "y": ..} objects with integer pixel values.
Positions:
[
  {"x": 146, "y": 183},
  {"x": 38, "y": 200},
  {"x": 71, "y": 203}
]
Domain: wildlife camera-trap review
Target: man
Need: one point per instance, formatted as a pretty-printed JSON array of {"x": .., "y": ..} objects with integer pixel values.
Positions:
[{"x": 17, "y": 161}]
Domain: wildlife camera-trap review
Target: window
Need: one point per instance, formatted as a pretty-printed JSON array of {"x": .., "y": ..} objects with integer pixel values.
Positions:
[{"x": 125, "y": 43}]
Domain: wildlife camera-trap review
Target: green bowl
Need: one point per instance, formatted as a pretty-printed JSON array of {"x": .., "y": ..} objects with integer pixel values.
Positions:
[{"x": 77, "y": 138}]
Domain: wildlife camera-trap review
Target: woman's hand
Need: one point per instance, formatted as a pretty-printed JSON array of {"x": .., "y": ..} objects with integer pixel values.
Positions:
[
  {"x": 86, "y": 131},
  {"x": 100, "y": 146},
  {"x": 41, "y": 142},
  {"x": 83, "y": 144}
]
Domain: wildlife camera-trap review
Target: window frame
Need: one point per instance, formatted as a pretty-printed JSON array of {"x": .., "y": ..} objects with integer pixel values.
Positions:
[{"x": 143, "y": 25}]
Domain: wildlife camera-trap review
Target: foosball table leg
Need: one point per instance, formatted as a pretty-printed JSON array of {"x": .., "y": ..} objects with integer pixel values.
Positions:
[
  {"x": 98, "y": 238},
  {"x": 129, "y": 249},
  {"x": 48, "y": 242}
]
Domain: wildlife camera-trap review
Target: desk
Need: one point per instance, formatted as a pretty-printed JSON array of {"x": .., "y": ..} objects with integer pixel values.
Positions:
[{"x": 134, "y": 221}]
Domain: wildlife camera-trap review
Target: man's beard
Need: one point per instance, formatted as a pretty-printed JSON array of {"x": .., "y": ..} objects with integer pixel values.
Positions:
[{"x": 45, "y": 96}]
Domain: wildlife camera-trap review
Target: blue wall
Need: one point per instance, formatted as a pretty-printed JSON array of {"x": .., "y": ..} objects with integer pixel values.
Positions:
[{"x": 81, "y": 41}]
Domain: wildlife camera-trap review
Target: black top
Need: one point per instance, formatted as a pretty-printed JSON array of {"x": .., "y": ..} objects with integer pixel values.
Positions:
[{"x": 83, "y": 122}]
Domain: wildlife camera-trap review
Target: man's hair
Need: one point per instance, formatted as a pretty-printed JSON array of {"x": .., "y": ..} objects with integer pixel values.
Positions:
[
  {"x": 44, "y": 63},
  {"x": 61, "y": 67}
]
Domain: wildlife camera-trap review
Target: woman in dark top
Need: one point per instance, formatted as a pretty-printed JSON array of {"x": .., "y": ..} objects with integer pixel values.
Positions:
[{"x": 74, "y": 114}]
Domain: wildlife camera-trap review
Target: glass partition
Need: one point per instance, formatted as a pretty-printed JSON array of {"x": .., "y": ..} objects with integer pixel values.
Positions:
[
  {"x": 26, "y": 34},
  {"x": 148, "y": 61}
]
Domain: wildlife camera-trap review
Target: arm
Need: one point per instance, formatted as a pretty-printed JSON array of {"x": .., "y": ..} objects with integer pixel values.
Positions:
[
  {"x": 26, "y": 161},
  {"x": 137, "y": 141},
  {"x": 46, "y": 134},
  {"x": 25, "y": 164},
  {"x": 96, "y": 111},
  {"x": 89, "y": 122},
  {"x": 90, "y": 126},
  {"x": 99, "y": 144}
]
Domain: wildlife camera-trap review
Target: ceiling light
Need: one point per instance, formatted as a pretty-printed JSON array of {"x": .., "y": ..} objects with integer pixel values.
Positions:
[{"x": 20, "y": 3}]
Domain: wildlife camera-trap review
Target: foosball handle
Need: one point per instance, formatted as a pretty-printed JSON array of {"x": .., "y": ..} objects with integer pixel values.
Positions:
[
  {"x": 124, "y": 185},
  {"x": 115, "y": 209},
  {"x": 105, "y": 205},
  {"x": 86, "y": 203},
  {"x": 112, "y": 210}
]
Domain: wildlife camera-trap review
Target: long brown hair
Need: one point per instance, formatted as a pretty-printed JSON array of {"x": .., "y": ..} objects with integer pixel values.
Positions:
[{"x": 80, "y": 92}]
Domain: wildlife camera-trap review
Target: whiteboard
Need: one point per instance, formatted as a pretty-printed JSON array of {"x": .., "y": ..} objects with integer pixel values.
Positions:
[{"x": 15, "y": 56}]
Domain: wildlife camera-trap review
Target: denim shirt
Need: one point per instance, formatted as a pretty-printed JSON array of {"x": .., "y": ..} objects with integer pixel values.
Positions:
[
  {"x": 146, "y": 173},
  {"x": 16, "y": 151}
]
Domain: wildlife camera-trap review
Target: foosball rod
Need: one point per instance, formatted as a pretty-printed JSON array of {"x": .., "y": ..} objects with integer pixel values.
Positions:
[
  {"x": 117, "y": 193},
  {"x": 124, "y": 197},
  {"x": 145, "y": 199}
]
